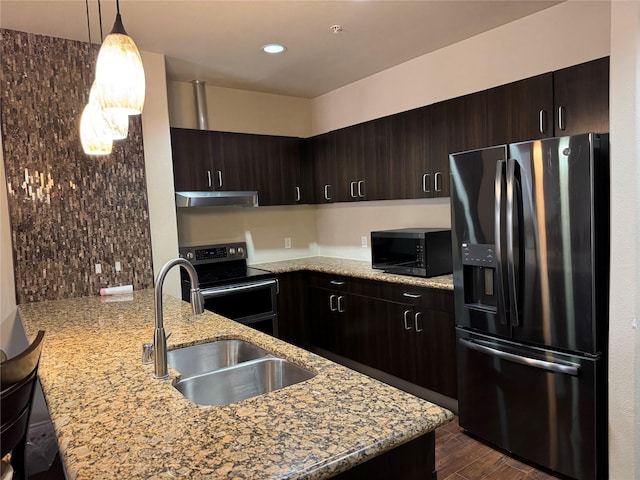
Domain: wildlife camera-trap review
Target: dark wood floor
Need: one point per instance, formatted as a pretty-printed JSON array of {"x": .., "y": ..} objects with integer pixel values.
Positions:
[{"x": 460, "y": 457}]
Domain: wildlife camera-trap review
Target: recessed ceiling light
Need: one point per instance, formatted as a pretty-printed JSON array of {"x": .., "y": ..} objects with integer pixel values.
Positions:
[{"x": 273, "y": 48}]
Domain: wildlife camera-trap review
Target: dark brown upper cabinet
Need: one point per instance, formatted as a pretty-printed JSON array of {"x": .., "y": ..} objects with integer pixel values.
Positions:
[
  {"x": 520, "y": 111},
  {"x": 193, "y": 166},
  {"x": 565, "y": 102},
  {"x": 226, "y": 161},
  {"x": 581, "y": 98},
  {"x": 455, "y": 125}
]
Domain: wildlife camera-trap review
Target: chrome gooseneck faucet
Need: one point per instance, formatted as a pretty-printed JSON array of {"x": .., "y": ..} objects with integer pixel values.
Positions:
[{"x": 159, "y": 336}]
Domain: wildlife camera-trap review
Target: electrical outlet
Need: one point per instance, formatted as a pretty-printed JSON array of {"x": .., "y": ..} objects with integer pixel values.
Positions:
[
  {"x": 287, "y": 242},
  {"x": 98, "y": 268},
  {"x": 364, "y": 241},
  {"x": 118, "y": 266}
]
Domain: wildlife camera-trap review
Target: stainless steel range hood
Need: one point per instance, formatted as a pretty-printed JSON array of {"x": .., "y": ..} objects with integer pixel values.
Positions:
[{"x": 216, "y": 199}]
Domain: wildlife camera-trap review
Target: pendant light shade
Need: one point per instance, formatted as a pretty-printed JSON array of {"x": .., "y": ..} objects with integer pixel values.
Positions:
[
  {"x": 95, "y": 132},
  {"x": 117, "y": 121},
  {"x": 119, "y": 73}
]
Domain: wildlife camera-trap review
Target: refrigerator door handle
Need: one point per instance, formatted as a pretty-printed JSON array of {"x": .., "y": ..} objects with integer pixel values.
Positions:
[
  {"x": 565, "y": 368},
  {"x": 511, "y": 269},
  {"x": 499, "y": 182}
]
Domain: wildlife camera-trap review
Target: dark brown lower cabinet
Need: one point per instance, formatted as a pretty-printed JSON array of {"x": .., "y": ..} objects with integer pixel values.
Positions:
[
  {"x": 293, "y": 324},
  {"x": 406, "y": 332},
  {"x": 414, "y": 460}
]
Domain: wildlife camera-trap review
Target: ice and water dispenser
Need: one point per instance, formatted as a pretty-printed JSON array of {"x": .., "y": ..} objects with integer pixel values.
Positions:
[{"x": 479, "y": 273}]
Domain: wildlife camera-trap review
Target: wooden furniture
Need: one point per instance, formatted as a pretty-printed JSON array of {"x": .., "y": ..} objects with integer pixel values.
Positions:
[{"x": 18, "y": 377}]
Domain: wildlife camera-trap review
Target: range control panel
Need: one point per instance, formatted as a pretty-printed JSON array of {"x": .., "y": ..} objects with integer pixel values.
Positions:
[{"x": 214, "y": 253}]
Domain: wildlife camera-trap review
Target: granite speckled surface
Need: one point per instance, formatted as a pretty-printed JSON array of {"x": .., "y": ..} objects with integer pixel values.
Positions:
[
  {"x": 114, "y": 420},
  {"x": 354, "y": 268}
]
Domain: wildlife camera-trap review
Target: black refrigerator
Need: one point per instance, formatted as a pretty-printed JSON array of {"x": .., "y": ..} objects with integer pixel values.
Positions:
[{"x": 530, "y": 240}]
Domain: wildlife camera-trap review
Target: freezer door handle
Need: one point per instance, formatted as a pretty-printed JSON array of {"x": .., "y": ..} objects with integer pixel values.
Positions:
[
  {"x": 498, "y": 189},
  {"x": 565, "y": 368}
]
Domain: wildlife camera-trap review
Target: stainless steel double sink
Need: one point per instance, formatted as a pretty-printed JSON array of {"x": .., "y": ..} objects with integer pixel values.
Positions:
[{"x": 228, "y": 371}]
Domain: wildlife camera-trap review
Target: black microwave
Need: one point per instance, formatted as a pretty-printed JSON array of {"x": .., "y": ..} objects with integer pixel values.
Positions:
[{"x": 421, "y": 252}]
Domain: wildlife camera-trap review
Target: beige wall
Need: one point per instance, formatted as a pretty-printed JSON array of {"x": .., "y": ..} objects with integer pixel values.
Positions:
[
  {"x": 241, "y": 111},
  {"x": 159, "y": 170},
  {"x": 7, "y": 282},
  {"x": 624, "y": 384},
  {"x": 264, "y": 229},
  {"x": 341, "y": 226}
]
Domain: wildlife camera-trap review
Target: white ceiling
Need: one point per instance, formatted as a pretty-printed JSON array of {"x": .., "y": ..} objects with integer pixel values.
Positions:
[{"x": 219, "y": 41}]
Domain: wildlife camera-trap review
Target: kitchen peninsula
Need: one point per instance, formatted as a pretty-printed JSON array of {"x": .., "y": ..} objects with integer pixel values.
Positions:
[{"x": 114, "y": 420}]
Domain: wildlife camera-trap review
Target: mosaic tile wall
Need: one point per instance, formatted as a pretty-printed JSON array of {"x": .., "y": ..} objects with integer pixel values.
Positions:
[{"x": 68, "y": 211}]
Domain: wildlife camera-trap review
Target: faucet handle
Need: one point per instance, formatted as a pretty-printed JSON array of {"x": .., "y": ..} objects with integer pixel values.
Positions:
[{"x": 147, "y": 353}]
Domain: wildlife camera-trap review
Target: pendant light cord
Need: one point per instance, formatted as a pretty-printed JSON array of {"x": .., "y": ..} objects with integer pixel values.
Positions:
[
  {"x": 86, "y": 2},
  {"x": 100, "y": 17}
]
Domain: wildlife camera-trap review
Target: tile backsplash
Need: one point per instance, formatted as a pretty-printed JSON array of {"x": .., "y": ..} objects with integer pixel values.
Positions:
[{"x": 68, "y": 211}]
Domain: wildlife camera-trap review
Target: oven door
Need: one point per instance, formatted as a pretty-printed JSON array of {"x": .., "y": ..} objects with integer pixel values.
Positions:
[{"x": 251, "y": 303}]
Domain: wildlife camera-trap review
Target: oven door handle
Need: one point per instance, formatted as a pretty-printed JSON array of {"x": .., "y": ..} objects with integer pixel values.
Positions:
[{"x": 235, "y": 288}]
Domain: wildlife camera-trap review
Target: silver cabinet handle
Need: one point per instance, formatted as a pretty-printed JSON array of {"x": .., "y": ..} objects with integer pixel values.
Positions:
[
  {"x": 561, "y": 120},
  {"x": 332, "y": 299},
  {"x": 361, "y": 188},
  {"x": 219, "y": 173},
  {"x": 208, "y": 178},
  {"x": 352, "y": 190},
  {"x": 336, "y": 282},
  {"x": 411, "y": 295},
  {"x": 425, "y": 183},
  {"x": 406, "y": 320},
  {"x": 340, "y": 304},
  {"x": 438, "y": 184},
  {"x": 327, "y": 196},
  {"x": 297, "y": 194},
  {"x": 541, "y": 118},
  {"x": 415, "y": 321}
]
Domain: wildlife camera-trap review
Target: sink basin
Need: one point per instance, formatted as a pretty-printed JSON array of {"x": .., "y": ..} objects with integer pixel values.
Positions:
[
  {"x": 242, "y": 381},
  {"x": 207, "y": 357}
]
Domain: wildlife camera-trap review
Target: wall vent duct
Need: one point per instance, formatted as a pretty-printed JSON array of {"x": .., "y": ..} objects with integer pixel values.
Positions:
[{"x": 200, "y": 93}]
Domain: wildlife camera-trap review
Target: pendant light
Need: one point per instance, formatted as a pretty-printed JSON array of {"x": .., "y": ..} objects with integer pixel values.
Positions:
[
  {"x": 95, "y": 132},
  {"x": 117, "y": 121},
  {"x": 119, "y": 72}
]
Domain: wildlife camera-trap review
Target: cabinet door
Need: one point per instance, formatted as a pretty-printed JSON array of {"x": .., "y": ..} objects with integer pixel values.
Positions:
[
  {"x": 274, "y": 161},
  {"x": 581, "y": 98},
  {"x": 520, "y": 111},
  {"x": 365, "y": 329},
  {"x": 323, "y": 153},
  {"x": 379, "y": 170},
  {"x": 325, "y": 325},
  {"x": 409, "y": 165},
  {"x": 456, "y": 125},
  {"x": 192, "y": 157},
  {"x": 435, "y": 347},
  {"x": 403, "y": 357},
  {"x": 293, "y": 309},
  {"x": 232, "y": 154},
  {"x": 349, "y": 150}
]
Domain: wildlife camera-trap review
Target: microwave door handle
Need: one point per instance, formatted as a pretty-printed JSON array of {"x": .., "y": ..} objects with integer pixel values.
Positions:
[{"x": 498, "y": 189}]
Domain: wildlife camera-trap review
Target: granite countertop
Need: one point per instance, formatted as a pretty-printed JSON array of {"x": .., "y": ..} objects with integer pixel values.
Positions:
[
  {"x": 114, "y": 420},
  {"x": 354, "y": 268}
]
